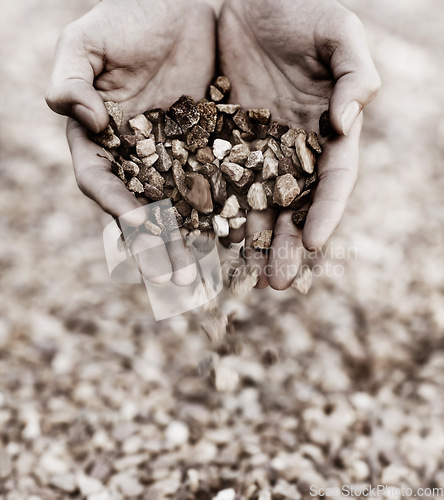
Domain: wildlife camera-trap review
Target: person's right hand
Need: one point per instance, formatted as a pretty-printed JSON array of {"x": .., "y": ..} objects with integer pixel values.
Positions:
[{"x": 142, "y": 54}]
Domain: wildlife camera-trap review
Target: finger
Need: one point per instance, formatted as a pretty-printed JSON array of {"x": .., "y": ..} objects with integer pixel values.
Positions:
[
  {"x": 338, "y": 171},
  {"x": 152, "y": 259},
  {"x": 258, "y": 221},
  {"x": 70, "y": 91},
  {"x": 182, "y": 260},
  {"x": 96, "y": 180},
  {"x": 357, "y": 80},
  {"x": 237, "y": 235},
  {"x": 286, "y": 252}
]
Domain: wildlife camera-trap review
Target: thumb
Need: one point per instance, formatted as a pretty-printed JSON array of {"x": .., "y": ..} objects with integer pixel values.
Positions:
[
  {"x": 70, "y": 91},
  {"x": 357, "y": 81}
]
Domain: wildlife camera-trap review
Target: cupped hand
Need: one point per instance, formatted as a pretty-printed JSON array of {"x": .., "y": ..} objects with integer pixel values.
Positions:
[
  {"x": 300, "y": 58},
  {"x": 142, "y": 54}
]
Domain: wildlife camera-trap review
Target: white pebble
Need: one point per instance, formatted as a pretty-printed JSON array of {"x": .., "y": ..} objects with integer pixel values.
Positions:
[{"x": 221, "y": 148}]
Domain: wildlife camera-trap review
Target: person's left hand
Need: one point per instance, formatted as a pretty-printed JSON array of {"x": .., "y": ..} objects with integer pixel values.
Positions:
[{"x": 300, "y": 58}]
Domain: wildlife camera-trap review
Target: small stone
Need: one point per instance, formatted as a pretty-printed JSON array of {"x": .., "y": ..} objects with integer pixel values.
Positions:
[
  {"x": 106, "y": 139},
  {"x": 244, "y": 184},
  {"x": 274, "y": 146},
  {"x": 152, "y": 228},
  {"x": 64, "y": 482},
  {"x": 269, "y": 190},
  {"x": 277, "y": 130},
  {"x": 264, "y": 495},
  {"x": 208, "y": 169},
  {"x": 179, "y": 152},
  {"x": 194, "y": 164},
  {"x": 289, "y": 138},
  {"x": 225, "y": 379},
  {"x": 218, "y": 187},
  {"x": 155, "y": 179},
  {"x": 228, "y": 109},
  {"x": 216, "y": 327},
  {"x": 260, "y": 115},
  {"x": 115, "y": 112},
  {"x": 285, "y": 190},
  {"x": 270, "y": 169},
  {"x": 303, "y": 281},
  {"x": 5, "y": 465},
  {"x": 286, "y": 166},
  {"x": 159, "y": 132},
  {"x": 301, "y": 200},
  {"x": 223, "y": 84},
  {"x": 221, "y": 148},
  {"x": 164, "y": 163},
  {"x": 262, "y": 240},
  {"x": 313, "y": 142},
  {"x": 255, "y": 160},
  {"x": 177, "y": 434},
  {"x": 135, "y": 185},
  {"x": 117, "y": 169},
  {"x": 184, "y": 208},
  {"x": 199, "y": 193},
  {"x": 306, "y": 156},
  {"x": 299, "y": 219},
  {"x": 231, "y": 207},
  {"x": 270, "y": 357},
  {"x": 257, "y": 199},
  {"x": 237, "y": 222},
  {"x": 205, "y": 155},
  {"x": 208, "y": 115},
  {"x": 261, "y": 131},
  {"x": 194, "y": 219},
  {"x": 172, "y": 129},
  {"x": 215, "y": 94},
  {"x": 130, "y": 168},
  {"x": 179, "y": 178},
  {"x": 310, "y": 182},
  {"x": 128, "y": 142},
  {"x": 197, "y": 138},
  {"x": 155, "y": 115},
  {"x": 193, "y": 480},
  {"x": 244, "y": 279},
  {"x": 127, "y": 484},
  {"x": 221, "y": 226},
  {"x": 149, "y": 161},
  {"x": 88, "y": 485},
  {"x": 242, "y": 121},
  {"x": 141, "y": 124},
  {"x": 145, "y": 147},
  {"x": 325, "y": 128},
  {"x": 239, "y": 154},
  {"x": 232, "y": 170},
  {"x": 185, "y": 113},
  {"x": 152, "y": 193},
  {"x": 228, "y": 494}
]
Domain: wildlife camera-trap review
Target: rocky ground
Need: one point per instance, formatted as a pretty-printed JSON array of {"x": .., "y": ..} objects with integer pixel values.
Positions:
[{"x": 97, "y": 401}]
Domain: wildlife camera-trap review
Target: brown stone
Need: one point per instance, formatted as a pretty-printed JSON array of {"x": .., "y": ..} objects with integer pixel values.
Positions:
[
  {"x": 199, "y": 194},
  {"x": 115, "y": 112},
  {"x": 313, "y": 142},
  {"x": 277, "y": 130},
  {"x": 218, "y": 187},
  {"x": 152, "y": 193},
  {"x": 299, "y": 219},
  {"x": 205, "y": 155},
  {"x": 223, "y": 84},
  {"x": 285, "y": 190},
  {"x": 197, "y": 138},
  {"x": 172, "y": 129},
  {"x": 164, "y": 163},
  {"x": 208, "y": 115},
  {"x": 262, "y": 240},
  {"x": 215, "y": 94},
  {"x": 242, "y": 121},
  {"x": 306, "y": 156},
  {"x": 260, "y": 115},
  {"x": 185, "y": 113}
]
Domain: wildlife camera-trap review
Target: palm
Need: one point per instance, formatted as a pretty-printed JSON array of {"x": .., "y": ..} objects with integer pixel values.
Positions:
[
  {"x": 294, "y": 84},
  {"x": 136, "y": 75}
]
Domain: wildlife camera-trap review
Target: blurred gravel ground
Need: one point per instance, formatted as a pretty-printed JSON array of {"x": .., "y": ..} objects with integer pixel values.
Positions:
[{"x": 97, "y": 402}]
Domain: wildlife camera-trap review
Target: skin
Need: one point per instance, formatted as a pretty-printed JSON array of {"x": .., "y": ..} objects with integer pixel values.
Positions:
[
  {"x": 300, "y": 58},
  {"x": 296, "y": 57},
  {"x": 142, "y": 54}
]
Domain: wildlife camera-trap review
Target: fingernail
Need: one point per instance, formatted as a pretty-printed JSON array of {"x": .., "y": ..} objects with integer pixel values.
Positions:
[
  {"x": 349, "y": 116},
  {"x": 86, "y": 117}
]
